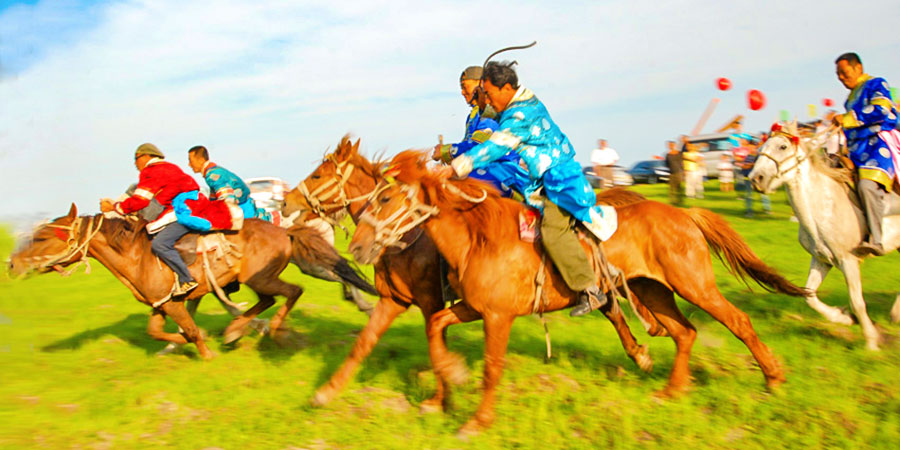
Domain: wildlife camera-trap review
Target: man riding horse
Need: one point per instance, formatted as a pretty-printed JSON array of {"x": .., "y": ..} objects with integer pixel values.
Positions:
[
  {"x": 225, "y": 185},
  {"x": 557, "y": 185},
  {"x": 505, "y": 173},
  {"x": 870, "y": 113}
]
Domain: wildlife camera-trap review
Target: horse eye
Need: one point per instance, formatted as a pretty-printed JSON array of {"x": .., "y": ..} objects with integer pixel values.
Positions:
[
  {"x": 316, "y": 176},
  {"x": 783, "y": 147},
  {"x": 384, "y": 200}
]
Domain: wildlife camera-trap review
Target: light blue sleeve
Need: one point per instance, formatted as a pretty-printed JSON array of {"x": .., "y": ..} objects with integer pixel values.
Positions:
[{"x": 513, "y": 130}]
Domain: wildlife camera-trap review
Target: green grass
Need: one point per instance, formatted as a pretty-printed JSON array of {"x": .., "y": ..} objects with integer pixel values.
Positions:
[{"x": 78, "y": 370}]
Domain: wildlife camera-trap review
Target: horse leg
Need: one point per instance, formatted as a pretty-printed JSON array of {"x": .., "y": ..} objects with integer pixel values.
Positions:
[
  {"x": 235, "y": 329},
  {"x": 895, "y": 310},
  {"x": 191, "y": 306},
  {"x": 155, "y": 329},
  {"x": 292, "y": 293},
  {"x": 850, "y": 267},
  {"x": 817, "y": 272},
  {"x": 179, "y": 314},
  {"x": 354, "y": 295},
  {"x": 637, "y": 353},
  {"x": 496, "y": 338},
  {"x": 386, "y": 310},
  {"x": 706, "y": 296},
  {"x": 448, "y": 367},
  {"x": 661, "y": 302}
]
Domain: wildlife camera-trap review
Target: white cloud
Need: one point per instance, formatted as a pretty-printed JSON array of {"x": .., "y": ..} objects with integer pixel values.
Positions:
[{"x": 268, "y": 85}]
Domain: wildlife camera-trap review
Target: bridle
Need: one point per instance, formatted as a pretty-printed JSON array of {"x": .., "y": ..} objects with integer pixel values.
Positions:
[
  {"x": 71, "y": 234},
  {"x": 331, "y": 194},
  {"x": 390, "y": 230},
  {"x": 796, "y": 155}
]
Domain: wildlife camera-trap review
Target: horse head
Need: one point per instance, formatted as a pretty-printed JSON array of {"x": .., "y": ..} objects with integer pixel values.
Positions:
[
  {"x": 398, "y": 205},
  {"x": 779, "y": 156},
  {"x": 323, "y": 193},
  {"x": 52, "y": 246}
]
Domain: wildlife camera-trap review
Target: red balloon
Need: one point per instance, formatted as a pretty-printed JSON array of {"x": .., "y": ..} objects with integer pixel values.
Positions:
[
  {"x": 723, "y": 83},
  {"x": 828, "y": 102},
  {"x": 756, "y": 100}
]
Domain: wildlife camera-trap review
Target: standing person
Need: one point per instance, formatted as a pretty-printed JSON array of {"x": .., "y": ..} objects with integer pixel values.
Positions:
[
  {"x": 693, "y": 172},
  {"x": 604, "y": 159},
  {"x": 163, "y": 181},
  {"x": 676, "y": 173},
  {"x": 557, "y": 185},
  {"x": 505, "y": 174},
  {"x": 726, "y": 174},
  {"x": 869, "y": 118},
  {"x": 224, "y": 184},
  {"x": 746, "y": 168}
]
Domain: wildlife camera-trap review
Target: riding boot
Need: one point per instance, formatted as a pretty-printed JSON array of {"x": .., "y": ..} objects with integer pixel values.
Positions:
[
  {"x": 873, "y": 196},
  {"x": 585, "y": 306}
]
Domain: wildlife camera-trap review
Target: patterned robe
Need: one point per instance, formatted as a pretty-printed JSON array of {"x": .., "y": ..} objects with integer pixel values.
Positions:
[
  {"x": 225, "y": 185},
  {"x": 527, "y": 129},
  {"x": 505, "y": 174},
  {"x": 869, "y": 112}
]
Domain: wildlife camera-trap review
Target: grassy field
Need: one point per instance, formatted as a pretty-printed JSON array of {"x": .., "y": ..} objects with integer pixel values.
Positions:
[{"x": 78, "y": 370}]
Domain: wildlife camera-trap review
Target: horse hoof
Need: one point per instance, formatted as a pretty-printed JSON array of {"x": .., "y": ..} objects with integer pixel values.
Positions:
[
  {"x": 669, "y": 393},
  {"x": 431, "y": 406},
  {"x": 470, "y": 429},
  {"x": 171, "y": 348},
  {"x": 321, "y": 398},
  {"x": 261, "y": 326},
  {"x": 232, "y": 336},
  {"x": 643, "y": 360},
  {"x": 454, "y": 370}
]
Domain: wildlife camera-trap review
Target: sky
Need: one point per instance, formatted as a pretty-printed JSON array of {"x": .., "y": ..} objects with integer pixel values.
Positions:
[{"x": 269, "y": 85}]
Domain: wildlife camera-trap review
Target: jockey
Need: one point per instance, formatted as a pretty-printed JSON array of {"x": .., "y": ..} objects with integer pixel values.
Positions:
[
  {"x": 527, "y": 129},
  {"x": 163, "y": 181},
  {"x": 224, "y": 184},
  {"x": 505, "y": 174},
  {"x": 870, "y": 113}
]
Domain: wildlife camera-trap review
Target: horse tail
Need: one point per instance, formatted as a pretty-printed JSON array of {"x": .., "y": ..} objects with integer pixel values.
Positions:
[
  {"x": 315, "y": 256},
  {"x": 734, "y": 252}
]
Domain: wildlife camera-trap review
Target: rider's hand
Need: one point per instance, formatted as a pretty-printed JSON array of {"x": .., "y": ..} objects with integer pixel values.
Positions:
[
  {"x": 436, "y": 155},
  {"x": 444, "y": 171},
  {"x": 106, "y": 205},
  {"x": 836, "y": 119}
]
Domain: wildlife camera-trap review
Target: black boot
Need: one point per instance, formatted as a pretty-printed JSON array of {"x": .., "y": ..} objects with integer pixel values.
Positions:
[{"x": 584, "y": 301}]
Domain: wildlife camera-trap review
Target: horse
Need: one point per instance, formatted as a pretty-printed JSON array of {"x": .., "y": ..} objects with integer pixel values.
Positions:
[
  {"x": 262, "y": 251},
  {"x": 344, "y": 183},
  {"x": 831, "y": 221},
  {"x": 660, "y": 249}
]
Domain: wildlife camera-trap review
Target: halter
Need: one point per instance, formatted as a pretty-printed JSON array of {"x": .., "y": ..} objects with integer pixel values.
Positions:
[
  {"x": 390, "y": 230},
  {"x": 334, "y": 187},
  {"x": 797, "y": 156},
  {"x": 73, "y": 247}
]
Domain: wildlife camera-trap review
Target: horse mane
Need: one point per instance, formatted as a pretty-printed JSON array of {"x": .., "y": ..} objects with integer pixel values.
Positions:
[
  {"x": 820, "y": 163},
  {"x": 121, "y": 234},
  {"x": 486, "y": 221},
  {"x": 349, "y": 151}
]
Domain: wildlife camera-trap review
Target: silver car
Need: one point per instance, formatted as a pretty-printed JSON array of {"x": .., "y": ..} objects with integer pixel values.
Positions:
[{"x": 712, "y": 147}]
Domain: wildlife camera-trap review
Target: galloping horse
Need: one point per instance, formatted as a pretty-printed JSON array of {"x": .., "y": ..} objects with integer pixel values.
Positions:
[
  {"x": 660, "y": 249},
  {"x": 124, "y": 248},
  {"x": 344, "y": 182},
  {"x": 831, "y": 221}
]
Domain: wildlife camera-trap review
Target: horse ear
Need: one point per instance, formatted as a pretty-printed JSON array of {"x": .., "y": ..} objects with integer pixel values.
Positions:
[
  {"x": 356, "y": 146},
  {"x": 73, "y": 211}
]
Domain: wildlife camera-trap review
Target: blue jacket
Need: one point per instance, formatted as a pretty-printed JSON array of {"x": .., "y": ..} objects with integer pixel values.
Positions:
[
  {"x": 870, "y": 110},
  {"x": 527, "y": 129},
  {"x": 225, "y": 185}
]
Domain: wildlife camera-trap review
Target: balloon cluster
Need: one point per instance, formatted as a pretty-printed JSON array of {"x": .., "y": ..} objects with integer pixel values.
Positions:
[{"x": 756, "y": 100}]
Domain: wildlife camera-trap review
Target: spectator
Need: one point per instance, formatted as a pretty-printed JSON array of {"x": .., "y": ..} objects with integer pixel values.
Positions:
[
  {"x": 693, "y": 172},
  {"x": 676, "y": 173},
  {"x": 726, "y": 174},
  {"x": 604, "y": 158},
  {"x": 746, "y": 167}
]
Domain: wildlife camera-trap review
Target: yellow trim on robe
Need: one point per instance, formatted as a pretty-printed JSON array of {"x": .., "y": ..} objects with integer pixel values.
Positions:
[
  {"x": 481, "y": 136},
  {"x": 445, "y": 153},
  {"x": 876, "y": 175},
  {"x": 848, "y": 120},
  {"x": 883, "y": 102}
]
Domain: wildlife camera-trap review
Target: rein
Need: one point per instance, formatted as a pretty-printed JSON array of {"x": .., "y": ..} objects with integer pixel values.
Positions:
[
  {"x": 796, "y": 156},
  {"x": 73, "y": 246},
  {"x": 389, "y": 231}
]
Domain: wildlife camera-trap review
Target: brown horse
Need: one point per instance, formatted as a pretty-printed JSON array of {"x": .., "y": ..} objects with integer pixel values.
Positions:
[
  {"x": 343, "y": 183},
  {"x": 660, "y": 248},
  {"x": 263, "y": 250}
]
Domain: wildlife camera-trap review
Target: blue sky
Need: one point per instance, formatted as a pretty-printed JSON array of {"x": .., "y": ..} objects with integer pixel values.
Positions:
[{"x": 269, "y": 85}]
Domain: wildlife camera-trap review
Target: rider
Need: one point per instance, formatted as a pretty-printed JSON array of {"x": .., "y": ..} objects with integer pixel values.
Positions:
[
  {"x": 527, "y": 129},
  {"x": 870, "y": 112},
  {"x": 163, "y": 181},
  {"x": 224, "y": 184},
  {"x": 505, "y": 173}
]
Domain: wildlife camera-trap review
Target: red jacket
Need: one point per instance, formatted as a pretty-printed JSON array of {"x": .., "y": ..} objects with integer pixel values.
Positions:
[{"x": 159, "y": 179}]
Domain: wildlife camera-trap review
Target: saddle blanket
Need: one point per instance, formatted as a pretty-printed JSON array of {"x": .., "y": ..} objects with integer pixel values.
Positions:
[{"x": 604, "y": 222}]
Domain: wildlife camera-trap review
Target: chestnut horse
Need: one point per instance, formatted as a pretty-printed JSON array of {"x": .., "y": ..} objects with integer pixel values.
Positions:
[
  {"x": 123, "y": 247},
  {"x": 660, "y": 248},
  {"x": 343, "y": 183}
]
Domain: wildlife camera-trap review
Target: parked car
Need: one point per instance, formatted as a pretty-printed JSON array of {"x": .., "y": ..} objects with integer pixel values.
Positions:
[
  {"x": 620, "y": 177},
  {"x": 712, "y": 147},
  {"x": 267, "y": 192},
  {"x": 652, "y": 171}
]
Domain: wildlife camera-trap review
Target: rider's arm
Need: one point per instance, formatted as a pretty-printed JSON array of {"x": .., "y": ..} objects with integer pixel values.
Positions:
[
  {"x": 143, "y": 193},
  {"x": 483, "y": 130},
  {"x": 874, "y": 110},
  {"x": 219, "y": 188},
  {"x": 513, "y": 131}
]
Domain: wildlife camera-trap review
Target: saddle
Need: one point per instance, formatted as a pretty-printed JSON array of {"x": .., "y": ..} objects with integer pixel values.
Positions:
[
  {"x": 843, "y": 163},
  {"x": 192, "y": 245}
]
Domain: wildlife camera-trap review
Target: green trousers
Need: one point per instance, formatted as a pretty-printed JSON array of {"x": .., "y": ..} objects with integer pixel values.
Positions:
[{"x": 561, "y": 243}]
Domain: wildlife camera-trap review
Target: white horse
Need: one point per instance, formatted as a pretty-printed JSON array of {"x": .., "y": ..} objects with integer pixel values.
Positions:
[{"x": 831, "y": 221}]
